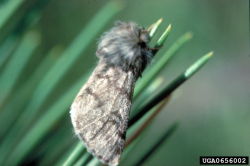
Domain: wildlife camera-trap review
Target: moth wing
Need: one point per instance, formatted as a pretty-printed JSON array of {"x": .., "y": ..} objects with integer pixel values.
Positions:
[{"x": 101, "y": 110}]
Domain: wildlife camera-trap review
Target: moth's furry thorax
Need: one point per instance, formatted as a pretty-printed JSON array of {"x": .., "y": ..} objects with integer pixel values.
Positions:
[{"x": 125, "y": 46}]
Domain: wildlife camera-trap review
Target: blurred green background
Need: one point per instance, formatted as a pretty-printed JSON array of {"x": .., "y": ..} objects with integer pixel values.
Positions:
[{"x": 212, "y": 108}]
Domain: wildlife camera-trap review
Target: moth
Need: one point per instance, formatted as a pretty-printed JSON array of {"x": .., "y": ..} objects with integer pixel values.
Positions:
[{"x": 100, "y": 111}]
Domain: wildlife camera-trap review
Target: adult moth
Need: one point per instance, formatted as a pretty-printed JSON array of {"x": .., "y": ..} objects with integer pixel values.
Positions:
[{"x": 100, "y": 111}]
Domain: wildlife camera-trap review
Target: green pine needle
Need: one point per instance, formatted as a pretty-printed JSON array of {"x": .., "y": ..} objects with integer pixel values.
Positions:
[
  {"x": 155, "y": 69},
  {"x": 198, "y": 64},
  {"x": 170, "y": 88},
  {"x": 75, "y": 154},
  {"x": 43, "y": 125},
  {"x": 16, "y": 64},
  {"x": 154, "y": 28},
  {"x": 163, "y": 38}
]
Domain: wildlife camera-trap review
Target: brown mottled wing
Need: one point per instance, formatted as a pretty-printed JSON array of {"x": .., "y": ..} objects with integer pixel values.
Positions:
[{"x": 101, "y": 110}]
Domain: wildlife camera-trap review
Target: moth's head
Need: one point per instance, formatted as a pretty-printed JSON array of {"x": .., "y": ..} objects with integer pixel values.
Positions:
[{"x": 143, "y": 35}]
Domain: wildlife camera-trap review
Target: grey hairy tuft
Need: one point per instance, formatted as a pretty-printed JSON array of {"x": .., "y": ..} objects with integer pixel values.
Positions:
[{"x": 125, "y": 46}]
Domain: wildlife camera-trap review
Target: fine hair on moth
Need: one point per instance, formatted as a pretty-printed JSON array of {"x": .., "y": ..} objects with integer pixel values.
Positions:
[{"x": 100, "y": 111}]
